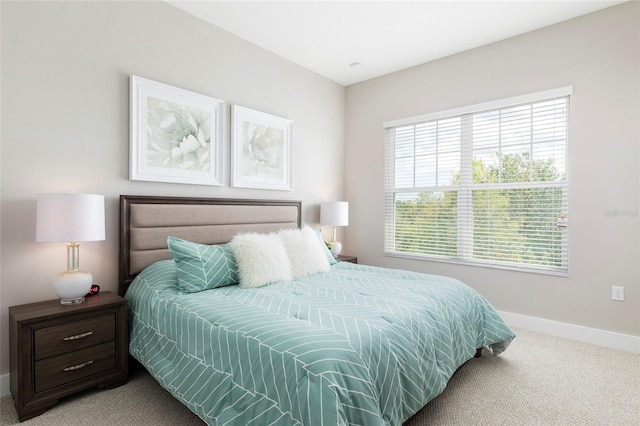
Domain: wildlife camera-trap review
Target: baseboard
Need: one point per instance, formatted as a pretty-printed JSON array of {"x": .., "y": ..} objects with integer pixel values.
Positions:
[
  {"x": 4, "y": 385},
  {"x": 594, "y": 336}
]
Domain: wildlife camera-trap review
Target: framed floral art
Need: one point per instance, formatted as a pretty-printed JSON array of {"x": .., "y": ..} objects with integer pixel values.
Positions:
[
  {"x": 176, "y": 135},
  {"x": 261, "y": 150}
]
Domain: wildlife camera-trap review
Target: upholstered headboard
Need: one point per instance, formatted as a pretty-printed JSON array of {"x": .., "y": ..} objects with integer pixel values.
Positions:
[{"x": 147, "y": 221}]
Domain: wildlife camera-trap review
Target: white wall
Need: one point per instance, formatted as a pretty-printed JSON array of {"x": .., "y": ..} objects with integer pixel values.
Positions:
[
  {"x": 598, "y": 54},
  {"x": 65, "y": 121}
]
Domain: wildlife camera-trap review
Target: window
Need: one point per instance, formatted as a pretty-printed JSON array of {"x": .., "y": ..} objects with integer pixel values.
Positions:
[{"x": 484, "y": 184}]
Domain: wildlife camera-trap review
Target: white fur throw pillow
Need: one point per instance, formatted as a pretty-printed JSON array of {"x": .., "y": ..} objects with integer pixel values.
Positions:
[
  {"x": 305, "y": 252},
  {"x": 261, "y": 259}
]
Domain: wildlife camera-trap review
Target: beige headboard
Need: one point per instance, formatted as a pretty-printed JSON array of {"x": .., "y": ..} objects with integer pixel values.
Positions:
[{"x": 147, "y": 221}]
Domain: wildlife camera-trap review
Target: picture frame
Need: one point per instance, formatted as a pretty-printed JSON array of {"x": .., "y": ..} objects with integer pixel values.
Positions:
[
  {"x": 176, "y": 135},
  {"x": 261, "y": 150}
]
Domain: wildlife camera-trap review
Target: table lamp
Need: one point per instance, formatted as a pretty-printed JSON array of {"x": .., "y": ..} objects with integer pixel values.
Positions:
[
  {"x": 334, "y": 213},
  {"x": 71, "y": 218}
]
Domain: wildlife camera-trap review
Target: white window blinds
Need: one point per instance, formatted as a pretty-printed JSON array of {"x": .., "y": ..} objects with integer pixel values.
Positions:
[{"x": 485, "y": 184}]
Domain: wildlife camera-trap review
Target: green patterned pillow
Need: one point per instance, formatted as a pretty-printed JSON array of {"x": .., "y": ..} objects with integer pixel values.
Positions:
[
  {"x": 332, "y": 260},
  {"x": 201, "y": 266}
]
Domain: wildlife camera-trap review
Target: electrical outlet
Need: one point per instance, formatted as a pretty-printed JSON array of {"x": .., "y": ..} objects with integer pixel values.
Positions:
[{"x": 617, "y": 293}]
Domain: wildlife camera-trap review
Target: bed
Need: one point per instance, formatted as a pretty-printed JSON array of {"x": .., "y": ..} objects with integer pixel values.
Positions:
[{"x": 350, "y": 344}]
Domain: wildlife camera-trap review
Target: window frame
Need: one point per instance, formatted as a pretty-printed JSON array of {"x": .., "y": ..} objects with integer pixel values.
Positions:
[{"x": 465, "y": 185}]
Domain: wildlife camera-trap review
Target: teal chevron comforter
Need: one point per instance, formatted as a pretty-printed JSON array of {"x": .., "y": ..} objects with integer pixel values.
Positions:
[{"x": 356, "y": 345}]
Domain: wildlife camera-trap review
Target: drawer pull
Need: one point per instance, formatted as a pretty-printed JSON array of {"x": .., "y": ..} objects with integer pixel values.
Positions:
[
  {"x": 78, "y": 336},
  {"x": 79, "y": 366}
]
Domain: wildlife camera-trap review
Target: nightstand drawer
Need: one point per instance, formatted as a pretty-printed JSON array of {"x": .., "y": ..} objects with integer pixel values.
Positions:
[
  {"x": 74, "y": 335},
  {"x": 62, "y": 369}
]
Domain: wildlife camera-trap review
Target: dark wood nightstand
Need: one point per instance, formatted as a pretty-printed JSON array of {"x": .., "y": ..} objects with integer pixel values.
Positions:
[
  {"x": 57, "y": 350},
  {"x": 345, "y": 258}
]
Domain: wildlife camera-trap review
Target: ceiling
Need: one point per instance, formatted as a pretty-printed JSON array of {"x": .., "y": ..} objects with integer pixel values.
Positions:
[{"x": 352, "y": 41}]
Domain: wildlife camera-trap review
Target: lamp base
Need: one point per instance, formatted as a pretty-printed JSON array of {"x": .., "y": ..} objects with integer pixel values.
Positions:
[
  {"x": 336, "y": 247},
  {"x": 72, "y": 286}
]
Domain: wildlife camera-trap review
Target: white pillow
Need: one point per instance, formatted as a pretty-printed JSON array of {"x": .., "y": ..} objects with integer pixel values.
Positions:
[
  {"x": 261, "y": 259},
  {"x": 305, "y": 252}
]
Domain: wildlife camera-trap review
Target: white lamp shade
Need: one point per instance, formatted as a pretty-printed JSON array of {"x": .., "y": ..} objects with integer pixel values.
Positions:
[
  {"x": 334, "y": 213},
  {"x": 70, "y": 217}
]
